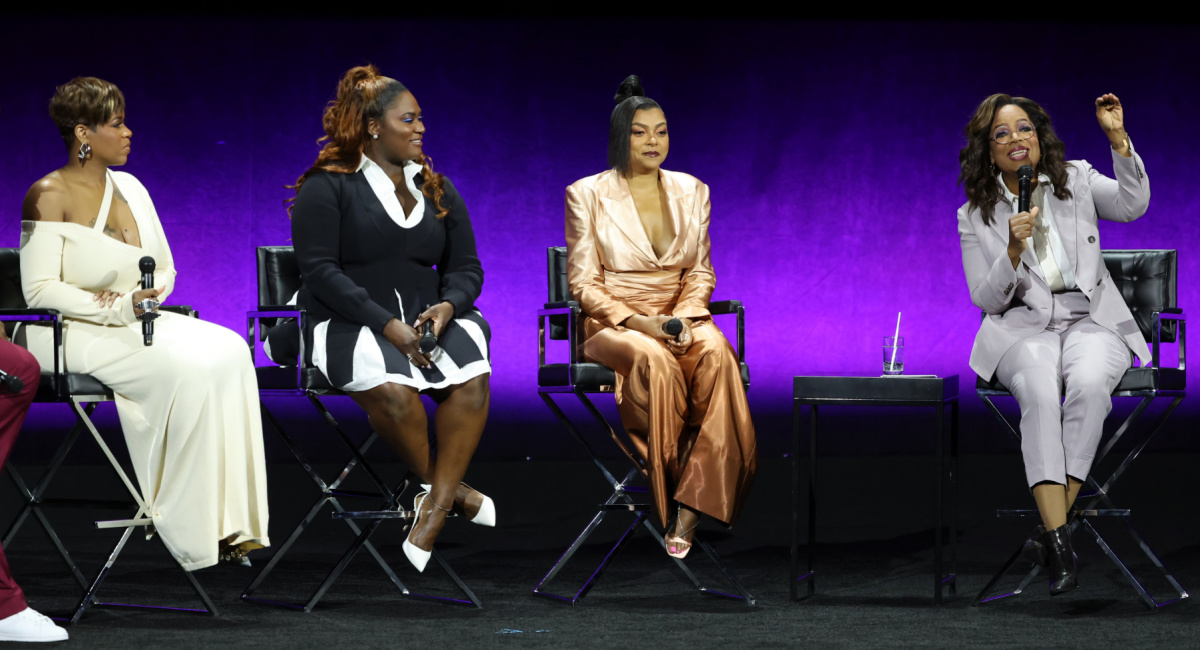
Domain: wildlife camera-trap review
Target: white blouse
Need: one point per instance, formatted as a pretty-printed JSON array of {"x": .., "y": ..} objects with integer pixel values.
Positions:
[{"x": 385, "y": 191}]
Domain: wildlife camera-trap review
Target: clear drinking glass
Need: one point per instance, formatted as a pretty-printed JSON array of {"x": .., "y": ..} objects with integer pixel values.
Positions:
[{"x": 893, "y": 365}]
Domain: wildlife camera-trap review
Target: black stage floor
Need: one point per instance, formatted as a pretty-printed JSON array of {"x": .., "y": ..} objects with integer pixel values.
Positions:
[{"x": 874, "y": 570}]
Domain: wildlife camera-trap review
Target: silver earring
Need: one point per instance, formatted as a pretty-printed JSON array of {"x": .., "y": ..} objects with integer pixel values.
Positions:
[
  {"x": 85, "y": 151},
  {"x": 375, "y": 136}
]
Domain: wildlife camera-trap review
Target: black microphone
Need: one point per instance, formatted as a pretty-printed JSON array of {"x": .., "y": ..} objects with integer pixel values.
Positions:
[
  {"x": 428, "y": 340},
  {"x": 673, "y": 327},
  {"x": 1024, "y": 176},
  {"x": 11, "y": 383},
  {"x": 146, "y": 265}
]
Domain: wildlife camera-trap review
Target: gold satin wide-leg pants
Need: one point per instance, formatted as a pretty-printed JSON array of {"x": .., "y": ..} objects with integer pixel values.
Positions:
[{"x": 687, "y": 415}]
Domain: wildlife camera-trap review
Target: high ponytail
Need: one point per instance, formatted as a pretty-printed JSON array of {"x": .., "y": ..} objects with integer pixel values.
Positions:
[
  {"x": 363, "y": 94},
  {"x": 630, "y": 99}
]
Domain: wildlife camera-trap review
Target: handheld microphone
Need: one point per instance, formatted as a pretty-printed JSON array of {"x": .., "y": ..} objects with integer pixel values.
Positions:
[
  {"x": 673, "y": 327},
  {"x": 1024, "y": 176},
  {"x": 11, "y": 383},
  {"x": 146, "y": 266},
  {"x": 428, "y": 340}
]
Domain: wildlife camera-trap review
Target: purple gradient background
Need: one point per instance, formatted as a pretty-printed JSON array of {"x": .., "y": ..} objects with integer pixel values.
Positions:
[{"x": 830, "y": 147}]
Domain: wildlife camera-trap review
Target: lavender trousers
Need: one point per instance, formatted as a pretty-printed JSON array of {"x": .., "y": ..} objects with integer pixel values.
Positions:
[{"x": 1063, "y": 378}]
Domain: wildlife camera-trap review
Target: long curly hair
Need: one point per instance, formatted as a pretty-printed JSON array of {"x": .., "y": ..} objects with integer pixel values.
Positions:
[
  {"x": 362, "y": 95},
  {"x": 977, "y": 173}
]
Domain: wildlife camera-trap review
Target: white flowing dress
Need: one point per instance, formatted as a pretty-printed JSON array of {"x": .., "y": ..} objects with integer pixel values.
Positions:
[{"x": 188, "y": 404}]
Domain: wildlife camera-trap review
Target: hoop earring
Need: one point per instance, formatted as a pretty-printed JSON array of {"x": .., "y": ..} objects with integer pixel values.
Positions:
[{"x": 85, "y": 151}]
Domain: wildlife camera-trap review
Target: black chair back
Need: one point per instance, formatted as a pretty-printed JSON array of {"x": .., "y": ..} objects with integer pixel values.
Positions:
[
  {"x": 557, "y": 291},
  {"x": 278, "y": 275},
  {"x": 1146, "y": 280},
  {"x": 11, "y": 296}
]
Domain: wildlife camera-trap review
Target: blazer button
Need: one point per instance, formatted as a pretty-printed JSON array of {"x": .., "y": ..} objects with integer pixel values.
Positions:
[
  {"x": 1091, "y": 239},
  {"x": 1028, "y": 307},
  {"x": 1099, "y": 282}
]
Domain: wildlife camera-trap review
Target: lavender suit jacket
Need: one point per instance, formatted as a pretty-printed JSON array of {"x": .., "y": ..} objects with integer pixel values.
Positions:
[{"x": 1019, "y": 307}]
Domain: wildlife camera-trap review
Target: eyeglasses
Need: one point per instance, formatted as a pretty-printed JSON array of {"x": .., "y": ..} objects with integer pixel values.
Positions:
[{"x": 1024, "y": 132}]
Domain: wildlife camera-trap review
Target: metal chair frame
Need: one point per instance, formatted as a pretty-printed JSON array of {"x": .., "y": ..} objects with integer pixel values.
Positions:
[
  {"x": 83, "y": 403},
  {"x": 1096, "y": 502},
  {"x": 625, "y": 496},
  {"x": 331, "y": 492}
]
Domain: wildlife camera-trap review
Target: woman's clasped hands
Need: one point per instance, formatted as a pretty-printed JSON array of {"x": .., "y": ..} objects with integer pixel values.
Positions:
[
  {"x": 655, "y": 328},
  {"x": 108, "y": 298},
  {"x": 407, "y": 339}
]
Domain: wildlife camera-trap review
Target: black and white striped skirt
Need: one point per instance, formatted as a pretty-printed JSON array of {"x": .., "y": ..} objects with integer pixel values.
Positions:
[{"x": 354, "y": 358}]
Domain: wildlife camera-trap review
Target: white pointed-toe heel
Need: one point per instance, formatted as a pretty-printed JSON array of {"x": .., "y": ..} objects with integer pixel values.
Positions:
[
  {"x": 487, "y": 510},
  {"x": 416, "y": 556}
]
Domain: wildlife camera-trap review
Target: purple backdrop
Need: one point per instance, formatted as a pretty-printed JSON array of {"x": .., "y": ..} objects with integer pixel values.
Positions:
[{"x": 831, "y": 150}]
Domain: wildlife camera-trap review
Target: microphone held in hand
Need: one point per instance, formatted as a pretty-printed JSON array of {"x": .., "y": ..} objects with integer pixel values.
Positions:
[
  {"x": 11, "y": 383},
  {"x": 428, "y": 340},
  {"x": 146, "y": 266},
  {"x": 674, "y": 327},
  {"x": 1024, "y": 176}
]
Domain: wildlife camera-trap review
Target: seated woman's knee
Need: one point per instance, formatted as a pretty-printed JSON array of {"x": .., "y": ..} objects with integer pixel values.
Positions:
[
  {"x": 393, "y": 401},
  {"x": 474, "y": 393},
  {"x": 1089, "y": 386}
]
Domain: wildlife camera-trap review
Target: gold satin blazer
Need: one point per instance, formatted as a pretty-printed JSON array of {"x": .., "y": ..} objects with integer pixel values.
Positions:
[{"x": 612, "y": 269}]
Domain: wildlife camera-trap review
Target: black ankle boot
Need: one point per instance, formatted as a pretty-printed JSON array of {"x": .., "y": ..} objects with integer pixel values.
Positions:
[
  {"x": 1034, "y": 549},
  {"x": 1064, "y": 572}
]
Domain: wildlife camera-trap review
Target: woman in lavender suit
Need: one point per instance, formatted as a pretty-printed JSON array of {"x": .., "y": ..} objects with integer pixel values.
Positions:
[{"x": 1055, "y": 326}]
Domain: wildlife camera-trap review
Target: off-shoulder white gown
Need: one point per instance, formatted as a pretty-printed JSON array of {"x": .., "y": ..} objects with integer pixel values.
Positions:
[{"x": 188, "y": 404}]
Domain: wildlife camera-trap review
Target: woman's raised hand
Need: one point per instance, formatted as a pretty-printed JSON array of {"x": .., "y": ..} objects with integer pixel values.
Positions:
[
  {"x": 407, "y": 341},
  {"x": 1020, "y": 228},
  {"x": 107, "y": 298},
  {"x": 1111, "y": 117}
]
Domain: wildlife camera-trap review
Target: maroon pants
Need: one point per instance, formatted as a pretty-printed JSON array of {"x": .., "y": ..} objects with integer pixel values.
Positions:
[{"x": 16, "y": 361}]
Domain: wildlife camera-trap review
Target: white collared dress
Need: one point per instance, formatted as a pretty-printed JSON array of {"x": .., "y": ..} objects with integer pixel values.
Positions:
[{"x": 365, "y": 261}]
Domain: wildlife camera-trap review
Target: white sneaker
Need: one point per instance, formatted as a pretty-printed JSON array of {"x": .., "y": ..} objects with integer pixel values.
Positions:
[{"x": 28, "y": 625}]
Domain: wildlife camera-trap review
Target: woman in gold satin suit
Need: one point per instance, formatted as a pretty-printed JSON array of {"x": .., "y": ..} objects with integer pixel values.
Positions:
[{"x": 637, "y": 257}]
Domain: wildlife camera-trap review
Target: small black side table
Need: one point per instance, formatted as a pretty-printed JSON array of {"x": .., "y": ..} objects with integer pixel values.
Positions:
[{"x": 937, "y": 392}]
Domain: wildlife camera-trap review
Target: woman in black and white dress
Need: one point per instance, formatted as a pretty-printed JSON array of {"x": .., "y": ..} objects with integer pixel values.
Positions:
[{"x": 384, "y": 245}]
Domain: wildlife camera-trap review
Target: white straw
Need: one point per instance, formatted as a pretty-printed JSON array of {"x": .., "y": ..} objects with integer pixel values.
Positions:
[{"x": 895, "y": 343}]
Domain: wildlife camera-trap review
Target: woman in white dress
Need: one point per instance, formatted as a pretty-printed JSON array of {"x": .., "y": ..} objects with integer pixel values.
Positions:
[{"x": 188, "y": 404}]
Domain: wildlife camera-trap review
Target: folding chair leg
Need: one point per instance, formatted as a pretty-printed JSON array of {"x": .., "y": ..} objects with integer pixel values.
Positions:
[
  {"x": 742, "y": 594},
  {"x": 89, "y": 599},
  {"x": 1137, "y": 585},
  {"x": 612, "y": 552},
  {"x": 984, "y": 597},
  {"x": 388, "y": 498}
]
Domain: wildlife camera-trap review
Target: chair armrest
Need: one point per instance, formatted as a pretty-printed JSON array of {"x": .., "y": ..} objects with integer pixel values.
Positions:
[
  {"x": 559, "y": 309},
  {"x": 722, "y": 307},
  {"x": 726, "y": 307},
  {"x": 1171, "y": 314},
  {"x": 182, "y": 310},
  {"x": 28, "y": 314},
  {"x": 276, "y": 311},
  {"x": 566, "y": 308}
]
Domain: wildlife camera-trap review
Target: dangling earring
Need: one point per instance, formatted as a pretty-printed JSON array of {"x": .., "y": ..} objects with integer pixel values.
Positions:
[{"x": 85, "y": 151}]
